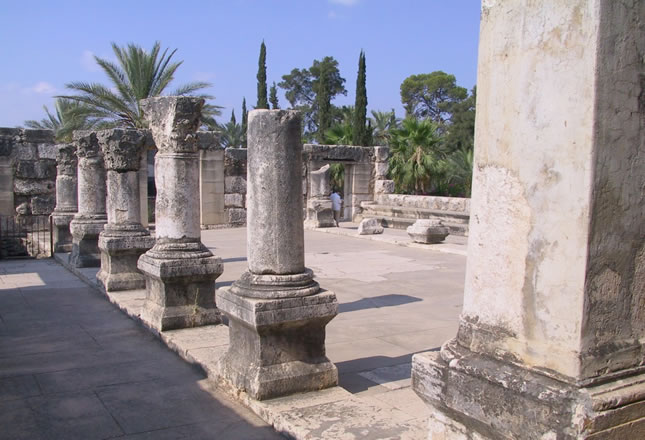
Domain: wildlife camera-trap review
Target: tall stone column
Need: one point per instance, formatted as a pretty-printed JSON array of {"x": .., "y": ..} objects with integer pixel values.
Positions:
[
  {"x": 550, "y": 342},
  {"x": 124, "y": 238},
  {"x": 319, "y": 206},
  {"x": 277, "y": 312},
  {"x": 180, "y": 271},
  {"x": 91, "y": 217},
  {"x": 66, "y": 197}
]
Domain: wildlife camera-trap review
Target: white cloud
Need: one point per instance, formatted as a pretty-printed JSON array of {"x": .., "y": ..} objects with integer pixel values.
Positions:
[
  {"x": 42, "y": 87},
  {"x": 345, "y": 2},
  {"x": 88, "y": 62}
]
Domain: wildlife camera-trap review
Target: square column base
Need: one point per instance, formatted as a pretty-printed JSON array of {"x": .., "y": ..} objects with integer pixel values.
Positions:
[
  {"x": 85, "y": 244},
  {"x": 277, "y": 346},
  {"x": 319, "y": 214},
  {"x": 119, "y": 256},
  {"x": 180, "y": 293},
  {"x": 475, "y": 397},
  {"x": 62, "y": 236}
]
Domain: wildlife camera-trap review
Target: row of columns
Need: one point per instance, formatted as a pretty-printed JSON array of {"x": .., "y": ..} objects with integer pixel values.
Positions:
[{"x": 276, "y": 312}]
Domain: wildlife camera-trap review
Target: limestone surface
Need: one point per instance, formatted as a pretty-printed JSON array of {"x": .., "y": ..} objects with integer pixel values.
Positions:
[
  {"x": 370, "y": 226},
  {"x": 428, "y": 231}
]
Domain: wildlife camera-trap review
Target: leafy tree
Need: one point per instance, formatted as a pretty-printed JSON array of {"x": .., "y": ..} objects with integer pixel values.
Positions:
[
  {"x": 382, "y": 124},
  {"x": 458, "y": 172},
  {"x": 69, "y": 116},
  {"x": 245, "y": 120},
  {"x": 302, "y": 87},
  {"x": 431, "y": 95},
  {"x": 231, "y": 135},
  {"x": 360, "y": 136},
  {"x": 461, "y": 131},
  {"x": 273, "y": 97},
  {"x": 233, "y": 117},
  {"x": 138, "y": 74},
  {"x": 415, "y": 162},
  {"x": 262, "y": 78}
]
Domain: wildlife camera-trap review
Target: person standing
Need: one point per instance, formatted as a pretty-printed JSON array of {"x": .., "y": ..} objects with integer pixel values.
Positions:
[{"x": 336, "y": 203}]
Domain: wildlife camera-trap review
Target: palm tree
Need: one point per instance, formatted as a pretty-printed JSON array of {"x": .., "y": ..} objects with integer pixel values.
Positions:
[
  {"x": 382, "y": 123},
  {"x": 69, "y": 116},
  {"x": 416, "y": 161},
  {"x": 231, "y": 135},
  {"x": 137, "y": 75},
  {"x": 459, "y": 172}
]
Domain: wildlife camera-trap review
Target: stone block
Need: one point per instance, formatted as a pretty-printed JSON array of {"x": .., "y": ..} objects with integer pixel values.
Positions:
[
  {"x": 381, "y": 169},
  {"x": 39, "y": 136},
  {"x": 62, "y": 237},
  {"x": 47, "y": 151},
  {"x": 381, "y": 154},
  {"x": 43, "y": 204},
  {"x": 234, "y": 200},
  {"x": 236, "y": 216},
  {"x": 235, "y": 184},
  {"x": 370, "y": 226},
  {"x": 209, "y": 141},
  {"x": 319, "y": 182},
  {"x": 25, "y": 151},
  {"x": 319, "y": 214},
  {"x": 384, "y": 187},
  {"x": 428, "y": 231},
  {"x": 85, "y": 246},
  {"x": 32, "y": 187},
  {"x": 119, "y": 257},
  {"x": 235, "y": 161}
]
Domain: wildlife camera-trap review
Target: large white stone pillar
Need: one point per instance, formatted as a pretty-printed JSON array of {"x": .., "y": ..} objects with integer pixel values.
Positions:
[
  {"x": 550, "y": 343},
  {"x": 66, "y": 197},
  {"x": 277, "y": 312},
  {"x": 124, "y": 238},
  {"x": 180, "y": 271},
  {"x": 91, "y": 217}
]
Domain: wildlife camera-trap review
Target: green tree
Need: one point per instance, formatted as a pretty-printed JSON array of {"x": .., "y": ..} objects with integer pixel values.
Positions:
[
  {"x": 361, "y": 135},
  {"x": 382, "y": 124},
  {"x": 262, "y": 78},
  {"x": 231, "y": 134},
  {"x": 69, "y": 116},
  {"x": 431, "y": 95},
  {"x": 273, "y": 97},
  {"x": 245, "y": 120},
  {"x": 302, "y": 87},
  {"x": 138, "y": 74},
  {"x": 458, "y": 173},
  {"x": 233, "y": 117},
  {"x": 461, "y": 131},
  {"x": 416, "y": 158}
]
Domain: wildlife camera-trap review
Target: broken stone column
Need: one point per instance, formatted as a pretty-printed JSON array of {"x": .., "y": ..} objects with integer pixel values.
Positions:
[
  {"x": 88, "y": 223},
  {"x": 180, "y": 271},
  {"x": 319, "y": 206},
  {"x": 124, "y": 238},
  {"x": 550, "y": 341},
  {"x": 277, "y": 312},
  {"x": 66, "y": 197}
]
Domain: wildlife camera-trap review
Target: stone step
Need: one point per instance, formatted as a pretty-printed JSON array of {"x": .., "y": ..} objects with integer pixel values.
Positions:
[
  {"x": 413, "y": 212},
  {"x": 460, "y": 229}
]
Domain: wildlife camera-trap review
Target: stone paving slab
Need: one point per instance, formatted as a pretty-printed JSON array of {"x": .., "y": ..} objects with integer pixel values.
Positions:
[{"x": 396, "y": 301}]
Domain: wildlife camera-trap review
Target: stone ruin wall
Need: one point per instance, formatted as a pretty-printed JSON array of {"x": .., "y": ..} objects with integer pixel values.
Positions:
[{"x": 27, "y": 173}]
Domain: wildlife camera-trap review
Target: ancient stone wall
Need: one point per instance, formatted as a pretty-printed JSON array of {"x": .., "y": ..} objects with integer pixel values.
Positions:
[{"x": 27, "y": 172}]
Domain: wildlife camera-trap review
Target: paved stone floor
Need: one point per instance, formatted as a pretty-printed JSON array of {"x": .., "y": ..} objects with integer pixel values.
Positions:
[
  {"x": 71, "y": 362},
  {"x": 72, "y": 366}
]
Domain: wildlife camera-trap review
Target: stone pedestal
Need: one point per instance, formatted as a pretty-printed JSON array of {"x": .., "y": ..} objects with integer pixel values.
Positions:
[
  {"x": 428, "y": 231},
  {"x": 550, "y": 341},
  {"x": 277, "y": 312},
  {"x": 124, "y": 238},
  {"x": 319, "y": 206},
  {"x": 180, "y": 272},
  {"x": 88, "y": 223},
  {"x": 66, "y": 197}
]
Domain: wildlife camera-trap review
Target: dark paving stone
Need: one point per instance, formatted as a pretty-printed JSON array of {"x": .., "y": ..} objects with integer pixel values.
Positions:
[
  {"x": 46, "y": 341},
  {"x": 158, "y": 404},
  {"x": 18, "y": 387},
  {"x": 74, "y": 416},
  {"x": 210, "y": 431},
  {"x": 18, "y": 421}
]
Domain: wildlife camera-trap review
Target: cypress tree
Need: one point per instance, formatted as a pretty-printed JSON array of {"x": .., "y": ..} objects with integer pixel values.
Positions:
[
  {"x": 262, "y": 78},
  {"x": 323, "y": 100},
  {"x": 233, "y": 121},
  {"x": 273, "y": 97},
  {"x": 244, "y": 122},
  {"x": 360, "y": 135}
]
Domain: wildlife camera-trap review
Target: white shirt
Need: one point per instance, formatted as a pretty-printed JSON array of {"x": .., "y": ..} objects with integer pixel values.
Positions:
[{"x": 335, "y": 201}]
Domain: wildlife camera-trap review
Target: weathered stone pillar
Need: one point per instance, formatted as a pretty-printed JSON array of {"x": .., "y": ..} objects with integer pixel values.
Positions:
[
  {"x": 277, "y": 312},
  {"x": 124, "y": 238},
  {"x": 211, "y": 180},
  {"x": 319, "y": 207},
  {"x": 66, "y": 197},
  {"x": 550, "y": 342},
  {"x": 88, "y": 223},
  {"x": 180, "y": 272}
]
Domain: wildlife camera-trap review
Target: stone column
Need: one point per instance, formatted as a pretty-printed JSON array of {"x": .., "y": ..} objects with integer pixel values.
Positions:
[
  {"x": 91, "y": 217},
  {"x": 277, "y": 312},
  {"x": 319, "y": 207},
  {"x": 66, "y": 197},
  {"x": 550, "y": 342},
  {"x": 180, "y": 271},
  {"x": 124, "y": 238},
  {"x": 211, "y": 180}
]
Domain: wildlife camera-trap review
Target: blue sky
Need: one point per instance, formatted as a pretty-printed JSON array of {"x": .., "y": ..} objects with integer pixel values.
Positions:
[{"x": 45, "y": 44}]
